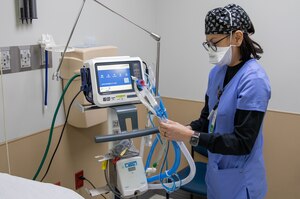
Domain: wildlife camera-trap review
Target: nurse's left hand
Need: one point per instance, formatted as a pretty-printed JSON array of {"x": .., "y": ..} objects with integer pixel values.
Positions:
[{"x": 175, "y": 131}]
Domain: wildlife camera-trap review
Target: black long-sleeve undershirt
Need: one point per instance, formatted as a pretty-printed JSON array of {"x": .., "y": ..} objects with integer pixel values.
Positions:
[
  {"x": 240, "y": 142},
  {"x": 246, "y": 128}
]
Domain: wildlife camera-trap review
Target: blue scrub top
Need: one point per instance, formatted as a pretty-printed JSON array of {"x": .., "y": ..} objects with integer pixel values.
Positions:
[{"x": 237, "y": 176}]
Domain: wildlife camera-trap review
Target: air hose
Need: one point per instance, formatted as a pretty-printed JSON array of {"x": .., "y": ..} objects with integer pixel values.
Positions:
[{"x": 52, "y": 125}]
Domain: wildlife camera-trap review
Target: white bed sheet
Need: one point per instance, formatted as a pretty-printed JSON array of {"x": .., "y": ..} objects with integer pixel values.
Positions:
[{"x": 13, "y": 187}]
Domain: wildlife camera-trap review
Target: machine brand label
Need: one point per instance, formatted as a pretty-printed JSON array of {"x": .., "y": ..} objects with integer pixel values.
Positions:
[{"x": 130, "y": 164}]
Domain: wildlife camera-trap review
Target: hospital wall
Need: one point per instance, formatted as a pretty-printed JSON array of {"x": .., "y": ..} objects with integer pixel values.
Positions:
[
  {"x": 24, "y": 91},
  {"x": 181, "y": 26}
]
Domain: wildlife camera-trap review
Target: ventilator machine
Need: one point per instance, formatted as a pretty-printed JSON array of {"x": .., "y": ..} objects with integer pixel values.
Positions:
[{"x": 118, "y": 83}]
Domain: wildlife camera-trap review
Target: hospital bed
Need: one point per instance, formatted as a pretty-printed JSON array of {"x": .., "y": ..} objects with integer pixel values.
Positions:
[{"x": 12, "y": 187}]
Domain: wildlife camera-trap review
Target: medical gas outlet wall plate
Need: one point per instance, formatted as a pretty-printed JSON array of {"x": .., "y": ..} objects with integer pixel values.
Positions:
[{"x": 110, "y": 80}]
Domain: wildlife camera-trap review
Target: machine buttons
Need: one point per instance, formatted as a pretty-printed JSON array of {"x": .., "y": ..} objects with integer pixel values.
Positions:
[
  {"x": 106, "y": 99},
  {"x": 131, "y": 96}
]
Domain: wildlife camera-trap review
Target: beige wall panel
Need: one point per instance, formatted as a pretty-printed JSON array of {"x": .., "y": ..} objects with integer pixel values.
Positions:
[{"x": 281, "y": 152}]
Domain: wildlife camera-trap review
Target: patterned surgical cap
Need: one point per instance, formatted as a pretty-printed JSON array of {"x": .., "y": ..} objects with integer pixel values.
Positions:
[{"x": 217, "y": 21}]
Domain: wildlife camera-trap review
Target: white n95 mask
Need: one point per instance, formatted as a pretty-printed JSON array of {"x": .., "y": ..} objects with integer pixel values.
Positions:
[{"x": 221, "y": 57}]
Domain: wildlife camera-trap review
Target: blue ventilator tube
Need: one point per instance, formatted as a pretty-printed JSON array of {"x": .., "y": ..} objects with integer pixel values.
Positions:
[
  {"x": 167, "y": 173},
  {"x": 162, "y": 115}
]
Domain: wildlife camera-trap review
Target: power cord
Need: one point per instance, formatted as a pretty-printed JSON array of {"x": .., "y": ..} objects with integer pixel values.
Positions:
[
  {"x": 61, "y": 134},
  {"x": 84, "y": 178},
  {"x": 110, "y": 185}
]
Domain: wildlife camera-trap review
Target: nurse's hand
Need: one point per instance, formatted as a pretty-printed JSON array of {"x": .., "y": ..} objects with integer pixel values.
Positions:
[{"x": 175, "y": 131}]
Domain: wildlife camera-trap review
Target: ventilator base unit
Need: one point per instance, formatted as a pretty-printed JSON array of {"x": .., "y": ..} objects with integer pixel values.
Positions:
[{"x": 131, "y": 177}]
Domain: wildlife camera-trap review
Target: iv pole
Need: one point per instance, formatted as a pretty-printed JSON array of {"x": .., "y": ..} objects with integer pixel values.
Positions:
[
  {"x": 156, "y": 37},
  {"x": 56, "y": 74}
]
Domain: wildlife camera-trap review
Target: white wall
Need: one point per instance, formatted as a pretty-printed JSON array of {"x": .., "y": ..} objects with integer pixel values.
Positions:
[
  {"x": 181, "y": 24},
  {"x": 24, "y": 91}
]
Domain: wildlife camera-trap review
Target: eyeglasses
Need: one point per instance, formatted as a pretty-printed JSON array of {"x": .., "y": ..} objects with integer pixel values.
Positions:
[{"x": 212, "y": 45}]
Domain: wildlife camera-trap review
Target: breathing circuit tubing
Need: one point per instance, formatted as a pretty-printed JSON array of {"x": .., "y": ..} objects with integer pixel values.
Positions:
[
  {"x": 172, "y": 170},
  {"x": 160, "y": 111}
]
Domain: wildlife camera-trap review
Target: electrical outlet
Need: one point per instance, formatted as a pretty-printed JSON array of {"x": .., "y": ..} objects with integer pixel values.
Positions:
[
  {"x": 58, "y": 183},
  {"x": 78, "y": 181},
  {"x": 25, "y": 58},
  {"x": 5, "y": 60}
]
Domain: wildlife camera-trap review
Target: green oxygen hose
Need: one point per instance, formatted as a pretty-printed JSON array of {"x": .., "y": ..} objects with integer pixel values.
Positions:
[{"x": 52, "y": 125}]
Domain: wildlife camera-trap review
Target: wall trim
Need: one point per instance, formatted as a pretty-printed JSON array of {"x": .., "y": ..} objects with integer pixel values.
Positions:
[
  {"x": 199, "y": 101},
  {"x": 27, "y": 136}
]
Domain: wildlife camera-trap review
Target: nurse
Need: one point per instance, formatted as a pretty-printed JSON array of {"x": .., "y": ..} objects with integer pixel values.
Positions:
[{"x": 230, "y": 124}]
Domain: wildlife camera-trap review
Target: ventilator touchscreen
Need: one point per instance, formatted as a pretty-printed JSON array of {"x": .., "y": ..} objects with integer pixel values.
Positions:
[
  {"x": 113, "y": 78},
  {"x": 109, "y": 81}
]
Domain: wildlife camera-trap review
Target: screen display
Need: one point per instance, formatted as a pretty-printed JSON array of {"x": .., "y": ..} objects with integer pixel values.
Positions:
[{"x": 114, "y": 78}]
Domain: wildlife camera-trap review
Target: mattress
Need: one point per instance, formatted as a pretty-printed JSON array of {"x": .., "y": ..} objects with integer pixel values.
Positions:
[{"x": 13, "y": 187}]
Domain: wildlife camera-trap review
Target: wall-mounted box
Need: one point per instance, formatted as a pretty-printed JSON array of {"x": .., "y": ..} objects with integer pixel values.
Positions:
[{"x": 73, "y": 61}]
